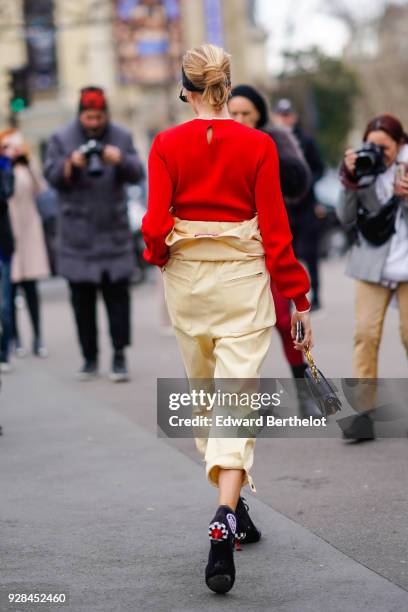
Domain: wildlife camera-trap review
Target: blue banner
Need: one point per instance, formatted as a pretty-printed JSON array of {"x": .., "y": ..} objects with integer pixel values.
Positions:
[{"x": 214, "y": 22}]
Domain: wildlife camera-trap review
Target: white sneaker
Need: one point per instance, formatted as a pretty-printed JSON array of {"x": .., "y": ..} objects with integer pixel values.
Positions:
[
  {"x": 39, "y": 349},
  {"x": 42, "y": 352},
  {"x": 21, "y": 352},
  {"x": 5, "y": 367}
]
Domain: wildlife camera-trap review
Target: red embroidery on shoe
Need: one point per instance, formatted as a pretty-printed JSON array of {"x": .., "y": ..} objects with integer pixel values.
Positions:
[{"x": 217, "y": 531}]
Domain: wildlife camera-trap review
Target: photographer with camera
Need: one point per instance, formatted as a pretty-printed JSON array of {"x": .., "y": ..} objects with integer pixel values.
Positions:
[
  {"x": 88, "y": 162},
  {"x": 374, "y": 202}
]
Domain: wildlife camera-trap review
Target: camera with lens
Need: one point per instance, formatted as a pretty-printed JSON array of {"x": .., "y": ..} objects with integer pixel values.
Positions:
[
  {"x": 93, "y": 151},
  {"x": 370, "y": 160}
]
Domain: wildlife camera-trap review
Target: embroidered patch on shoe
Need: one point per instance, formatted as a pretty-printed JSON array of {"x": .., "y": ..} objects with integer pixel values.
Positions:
[
  {"x": 232, "y": 522},
  {"x": 217, "y": 531}
]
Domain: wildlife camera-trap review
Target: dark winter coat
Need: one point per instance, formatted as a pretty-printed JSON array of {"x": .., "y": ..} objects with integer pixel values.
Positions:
[
  {"x": 6, "y": 236},
  {"x": 6, "y": 191},
  {"x": 295, "y": 176},
  {"x": 93, "y": 236},
  {"x": 305, "y": 209}
]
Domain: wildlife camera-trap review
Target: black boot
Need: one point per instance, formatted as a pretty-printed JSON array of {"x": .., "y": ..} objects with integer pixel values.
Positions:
[
  {"x": 220, "y": 570},
  {"x": 307, "y": 406},
  {"x": 359, "y": 428},
  {"x": 247, "y": 533}
]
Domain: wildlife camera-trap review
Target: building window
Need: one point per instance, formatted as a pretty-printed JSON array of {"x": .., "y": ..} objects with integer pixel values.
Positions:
[
  {"x": 41, "y": 44},
  {"x": 148, "y": 40}
]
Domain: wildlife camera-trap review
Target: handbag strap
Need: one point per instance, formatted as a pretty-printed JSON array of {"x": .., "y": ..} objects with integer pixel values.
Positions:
[{"x": 312, "y": 364}]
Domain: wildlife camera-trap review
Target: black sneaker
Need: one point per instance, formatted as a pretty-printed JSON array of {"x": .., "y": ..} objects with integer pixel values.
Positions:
[
  {"x": 247, "y": 533},
  {"x": 119, "y": 372},
  {"x": 88, "y": 371},
  {"x": 220, "y": 570}
]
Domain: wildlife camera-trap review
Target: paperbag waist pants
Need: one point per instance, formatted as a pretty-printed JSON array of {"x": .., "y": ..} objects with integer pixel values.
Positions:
[{"x": 218, "y": 295}]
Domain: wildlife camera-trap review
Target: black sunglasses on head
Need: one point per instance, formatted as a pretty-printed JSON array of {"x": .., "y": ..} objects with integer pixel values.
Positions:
[{"x": 183, "y": 97}]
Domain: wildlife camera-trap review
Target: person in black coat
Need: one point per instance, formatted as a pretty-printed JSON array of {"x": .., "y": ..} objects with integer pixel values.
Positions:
[
  {"x": 248, "y": 106},
  {"x": 304, "y": 222}
]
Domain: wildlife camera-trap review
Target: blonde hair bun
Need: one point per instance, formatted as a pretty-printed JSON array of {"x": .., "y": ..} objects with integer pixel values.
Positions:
[{"x": 209, "y": 68}]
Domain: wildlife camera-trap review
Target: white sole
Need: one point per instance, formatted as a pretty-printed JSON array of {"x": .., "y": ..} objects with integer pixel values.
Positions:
[
  {"x": 85, "y": 377},
  {"x": 118, "y": 377}
]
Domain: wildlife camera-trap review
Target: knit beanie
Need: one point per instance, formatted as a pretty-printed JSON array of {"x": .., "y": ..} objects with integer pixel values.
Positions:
[{"x": 246, "y": 91}]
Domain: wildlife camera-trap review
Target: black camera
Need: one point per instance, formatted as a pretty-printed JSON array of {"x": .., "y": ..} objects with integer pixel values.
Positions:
[
  {"x": 370, "y": 160},
  {"x": 93, "y": 151}
]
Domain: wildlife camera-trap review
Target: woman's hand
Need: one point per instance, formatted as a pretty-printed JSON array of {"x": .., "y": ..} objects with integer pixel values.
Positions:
[
  {"x": 401, "y": 188},
  {"x": 350, "y": 157},
  {"x": 307, "y": 342}
]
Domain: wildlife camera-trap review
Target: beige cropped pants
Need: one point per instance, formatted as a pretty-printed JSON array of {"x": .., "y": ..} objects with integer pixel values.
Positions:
[
  {"x": 372, "y": 301},
  {"x": 218, "y": 295}
]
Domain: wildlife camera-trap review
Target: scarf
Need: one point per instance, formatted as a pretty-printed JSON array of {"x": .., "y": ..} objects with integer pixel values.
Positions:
[{"x": 384, "y": 185}]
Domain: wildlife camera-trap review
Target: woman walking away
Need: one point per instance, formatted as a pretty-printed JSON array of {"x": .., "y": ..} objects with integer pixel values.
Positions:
[
  {"x": 217, "y": 226},
  {"x": 30, "y": 259},
  {"x": 374, "y": 202}
]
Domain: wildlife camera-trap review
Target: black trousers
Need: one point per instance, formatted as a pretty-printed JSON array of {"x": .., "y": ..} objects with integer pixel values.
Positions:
[
  {"x": 32, "y": 297},
  {"x": 306, "y": 237},
  {"x": 117, "y": 302}
]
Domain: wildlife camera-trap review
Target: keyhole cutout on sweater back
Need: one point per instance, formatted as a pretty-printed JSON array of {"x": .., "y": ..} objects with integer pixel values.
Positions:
[{"x": 209, "y": 134}]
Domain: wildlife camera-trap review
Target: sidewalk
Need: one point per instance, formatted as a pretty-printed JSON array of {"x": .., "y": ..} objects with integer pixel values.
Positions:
[
  {"x": 111, "y": 515},
  {"x": 95, "y": 505}
]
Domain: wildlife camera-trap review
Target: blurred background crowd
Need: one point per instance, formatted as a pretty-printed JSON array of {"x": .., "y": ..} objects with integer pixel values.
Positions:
[
  {"x": 322, "y": 72},
  {"x": 339, "y": 64},
  {"x": 324, "y": 67}
]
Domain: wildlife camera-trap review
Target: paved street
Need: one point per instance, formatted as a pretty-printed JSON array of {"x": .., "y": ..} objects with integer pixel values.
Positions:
[{"x": 95, "y": 505}]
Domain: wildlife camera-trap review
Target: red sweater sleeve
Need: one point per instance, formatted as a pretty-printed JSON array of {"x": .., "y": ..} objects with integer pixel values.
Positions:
[
  {"x": 287, "y": 273},
  {"x": 158, "y": 221}
]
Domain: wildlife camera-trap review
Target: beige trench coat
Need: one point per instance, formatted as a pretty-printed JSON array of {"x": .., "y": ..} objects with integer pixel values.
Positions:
[{"x": 30, "y": 259}]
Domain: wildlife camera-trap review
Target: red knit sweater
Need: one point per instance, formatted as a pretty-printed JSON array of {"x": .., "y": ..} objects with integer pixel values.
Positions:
[{"x": 231, "y": 179}]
